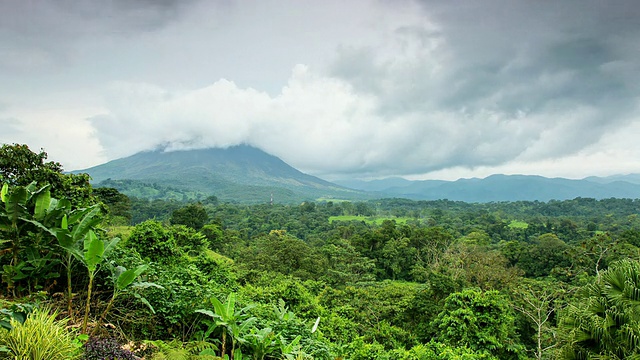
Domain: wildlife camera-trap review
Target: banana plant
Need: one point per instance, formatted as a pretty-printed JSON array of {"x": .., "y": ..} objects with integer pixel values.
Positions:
[
  {"x": 123, "y": 280},
  {"x": 92, "y": 255},
  {"x": 262, "y": 342},
  {"x": 292, "y": 350},
  {"x": 232, "y": 322},
  {"x": 74, "y": 227},
  {"x": 15, "y": 217},
  {"x": 24, "y": 212}
]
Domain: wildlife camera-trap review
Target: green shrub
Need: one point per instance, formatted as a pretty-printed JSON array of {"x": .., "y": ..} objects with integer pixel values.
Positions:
[
  {"x": 152, "y": 240},
  {"x": 40, "y": 337}
]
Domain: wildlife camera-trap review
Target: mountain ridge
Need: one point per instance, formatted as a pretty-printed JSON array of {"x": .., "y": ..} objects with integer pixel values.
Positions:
[
  {"x": 500, "y": 187},
  {"x": 238, "y": 173}
]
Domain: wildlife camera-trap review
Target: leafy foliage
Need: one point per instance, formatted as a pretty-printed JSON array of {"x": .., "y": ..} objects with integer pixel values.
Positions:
[
  {"x": 19, "y": 166},
  {"x": 298, "y": 286},
  {"x": 192, "y": 215},
  {"x": 153, "y": 241},
  {"x": 606, "y": 323},
  {"x": 40, "y": 337},
  {"x": 481, "y": 320}
]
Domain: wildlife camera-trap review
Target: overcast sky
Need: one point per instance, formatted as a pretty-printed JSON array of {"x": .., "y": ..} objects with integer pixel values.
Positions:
[{"x": 337, "y": 89}]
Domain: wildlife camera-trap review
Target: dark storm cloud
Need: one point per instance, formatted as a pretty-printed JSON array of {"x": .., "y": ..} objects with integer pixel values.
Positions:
[
  {"x": 508, "y": 69},
  {"x": 42, "y": 35}
]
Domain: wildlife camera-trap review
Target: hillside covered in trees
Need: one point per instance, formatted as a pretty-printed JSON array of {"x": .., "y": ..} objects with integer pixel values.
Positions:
[{"x": 108, "y": 276}]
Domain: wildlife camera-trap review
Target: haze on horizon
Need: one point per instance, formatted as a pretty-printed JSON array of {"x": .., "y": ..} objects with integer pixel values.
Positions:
[{"x": 363, "y": 89}]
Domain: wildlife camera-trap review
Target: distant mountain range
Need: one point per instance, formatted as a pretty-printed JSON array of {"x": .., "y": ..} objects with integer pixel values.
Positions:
[
  {"x": 504, "y": 188},
  {"x": 248, "y": 175}
]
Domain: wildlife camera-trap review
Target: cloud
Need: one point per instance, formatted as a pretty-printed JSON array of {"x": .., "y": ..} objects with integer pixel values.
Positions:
[
  {"x": 324, "y": 126},
  {"x": 367, "y": 88}
]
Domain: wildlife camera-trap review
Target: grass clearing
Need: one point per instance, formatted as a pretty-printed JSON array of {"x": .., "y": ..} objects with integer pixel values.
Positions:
[{"x": 515, "y": 224}]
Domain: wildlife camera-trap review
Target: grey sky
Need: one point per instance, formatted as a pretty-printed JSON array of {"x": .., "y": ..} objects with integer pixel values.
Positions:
[{"x": 423, "y": 89}]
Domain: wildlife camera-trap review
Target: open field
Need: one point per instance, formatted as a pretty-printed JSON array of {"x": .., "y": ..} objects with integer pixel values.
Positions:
[{"x": 518, "y": 224}]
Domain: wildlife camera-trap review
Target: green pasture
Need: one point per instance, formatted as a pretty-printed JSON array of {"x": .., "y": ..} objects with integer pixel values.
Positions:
[{"x": 515, "y": 224}]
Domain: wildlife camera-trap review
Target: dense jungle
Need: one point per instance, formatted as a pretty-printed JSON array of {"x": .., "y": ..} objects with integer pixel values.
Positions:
[{"x": 89, "y": 273}]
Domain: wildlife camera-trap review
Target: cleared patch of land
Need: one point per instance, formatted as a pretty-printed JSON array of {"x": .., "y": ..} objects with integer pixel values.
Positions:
[{"x": 518, "y": 224}]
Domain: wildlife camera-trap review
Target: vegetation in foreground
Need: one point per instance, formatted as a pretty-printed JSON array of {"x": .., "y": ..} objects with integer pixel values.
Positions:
[{"x": 107, "y": 276}]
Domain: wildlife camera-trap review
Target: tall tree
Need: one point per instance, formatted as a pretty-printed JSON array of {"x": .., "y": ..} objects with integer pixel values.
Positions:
[
  {"x": 192, "y": 215},
  {"x": 21, "y": 166},
  {"x": 482, "y": 320}
]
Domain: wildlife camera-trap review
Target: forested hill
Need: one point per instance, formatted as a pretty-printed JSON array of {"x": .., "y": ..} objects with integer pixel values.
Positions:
[
  {"x": 504, "y": 188},
  {"x": 239, "y": 173}
]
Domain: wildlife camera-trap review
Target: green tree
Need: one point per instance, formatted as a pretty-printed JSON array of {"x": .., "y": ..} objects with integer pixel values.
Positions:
[
  {"x": 214, "y": 235},
  {"x": 189, "y": 240},
  {"x": 538, "y": 302},
  {"x": 192, "y": 215},
  {"x": 548, "y": 254},
  {"x": 484, "y": 321},
  {"x": 605, "y": 323},
  {"x": 345, "y": 264},
  {"x": 117, "y": 203},
  {"x": 20, "y": 166},
  {"x": 74, "y": 227},
  {"x": 285, "y": 254},
  {"x": 153, "y": 241}
]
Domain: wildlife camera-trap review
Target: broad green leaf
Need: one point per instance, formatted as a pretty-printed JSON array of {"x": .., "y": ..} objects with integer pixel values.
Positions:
[
  {"x": 219, "y": 308},
  {"x": 89, "y": 221},
  {"x": 144, "y": 301},
  {"x": 109, "y": 246},
  {"x": 126, "y": 278},
  {"x": 66, "y": 242},
  {"x": 229, "y": 306},
  {"x": 42, "y": 204},
  {"x": 64, "y": 224},
  {"x": 3, "y": 193},
  {"x": 39, "y": 226},
  {"x": 31, "y": 188},
  {"x": 94, "y": 250},
  {"x": 78, "y": 214},
  {"x": 246, "y": 324},
  {"x": 53, "y": 211},
  {"x": 63, "y": 204},
  {"x": 207, "y": 312},
  {"x": 15, "y": 204},
  {"x": 42, "y": 190}
]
